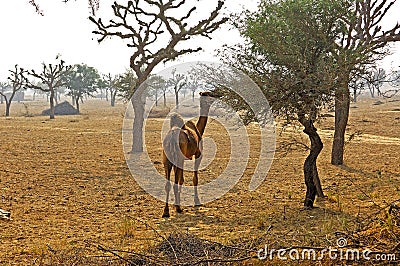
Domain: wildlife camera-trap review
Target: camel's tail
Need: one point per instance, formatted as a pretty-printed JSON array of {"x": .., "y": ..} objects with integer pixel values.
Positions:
[
  {"x": 171, "y": 141},
  {"x": 171, "y": 146}
]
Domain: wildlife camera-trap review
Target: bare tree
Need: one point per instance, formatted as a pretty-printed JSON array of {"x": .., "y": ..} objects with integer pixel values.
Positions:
[
  {"x": 357, "y": 86},
  {"x": 361, "y": 44},
  {"x": 153, "y": 34},
  {"x": 164, "y": 89},
  {"x": 193, "y": 85},
  {"x": 110, "y": 82},
  {"x": 394, "y": 81},
  {"x": 374, "y": 80},
  {"x": 177, "y": 82},
  {"x": 371, "y": 78},
  {"x": 17, "y": 81},
  {"x": 52, "y": 76}
]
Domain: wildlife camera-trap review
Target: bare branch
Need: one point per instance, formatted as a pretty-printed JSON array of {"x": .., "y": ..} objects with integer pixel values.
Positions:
[
  {"x": 36, "y": 6},
  {"x": 93, "y": 6},
  {"x": 145, "y": 22},
  {"x": 365, "y": 33}
]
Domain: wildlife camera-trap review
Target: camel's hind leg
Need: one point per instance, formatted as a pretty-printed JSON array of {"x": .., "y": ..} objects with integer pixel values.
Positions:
[
  {"x": 196, "y": 179},
  {"x": 177, "y": 187},
  {"x": 168, "y": 168}
]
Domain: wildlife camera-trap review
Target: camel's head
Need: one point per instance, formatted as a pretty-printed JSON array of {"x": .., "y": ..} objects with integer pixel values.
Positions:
[
  {"x": 207, "y": 98},
  {"x": 176, "y": 120},
  {"x": 216, "y": 93}
]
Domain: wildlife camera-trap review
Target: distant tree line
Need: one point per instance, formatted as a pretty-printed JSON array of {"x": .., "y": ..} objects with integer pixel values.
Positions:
[
  {"x": 81, "y": 81},
  {"x": 78, "y": 81}
]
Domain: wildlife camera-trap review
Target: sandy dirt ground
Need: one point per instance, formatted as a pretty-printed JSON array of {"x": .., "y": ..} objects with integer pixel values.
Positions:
[{"x": 67, "y": 184}]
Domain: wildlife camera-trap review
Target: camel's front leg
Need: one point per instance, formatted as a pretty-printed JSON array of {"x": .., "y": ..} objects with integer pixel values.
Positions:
[
  {"x": 196, "y": 180},
  {"x": 177, "y": 191}
]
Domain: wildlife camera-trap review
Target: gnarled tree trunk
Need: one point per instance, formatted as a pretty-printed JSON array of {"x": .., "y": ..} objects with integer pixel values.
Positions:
[
  {"x": 138, "y": 102},
  {"x": 311, "y": 177}
]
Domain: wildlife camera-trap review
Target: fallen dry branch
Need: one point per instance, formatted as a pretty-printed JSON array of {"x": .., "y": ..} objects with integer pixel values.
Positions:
[
  {"x": 184, "y": 249},
  {"x": 5, "y": 214}
]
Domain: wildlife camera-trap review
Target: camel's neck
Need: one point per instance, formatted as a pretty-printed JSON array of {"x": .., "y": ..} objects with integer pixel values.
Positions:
[{"x": 202, "y": 122}]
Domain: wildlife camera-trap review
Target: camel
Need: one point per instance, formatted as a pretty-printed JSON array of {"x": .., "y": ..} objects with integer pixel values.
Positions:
[{"x": 182, "y": 142}]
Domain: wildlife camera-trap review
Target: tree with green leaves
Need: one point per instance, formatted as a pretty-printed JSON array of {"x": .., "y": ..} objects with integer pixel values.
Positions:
[
  {"x": 358, "y": 40},
  {"x": 52, "y": 77},
  {"x": 287, "y": 54},
  {"x": 158, "y": 85},
  {"x": 81, "y": 80},
  {"x": 17, "y": 81},
  {"x": 156, "y": 34},
  {"x": 125, "y": 84}
]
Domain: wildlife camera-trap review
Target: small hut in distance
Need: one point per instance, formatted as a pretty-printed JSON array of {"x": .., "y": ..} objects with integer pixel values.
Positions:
[{"x": 64, "y": 108}]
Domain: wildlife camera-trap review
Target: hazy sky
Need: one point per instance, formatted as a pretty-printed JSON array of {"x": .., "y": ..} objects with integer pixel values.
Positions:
[{"x": 28, "y": 39}]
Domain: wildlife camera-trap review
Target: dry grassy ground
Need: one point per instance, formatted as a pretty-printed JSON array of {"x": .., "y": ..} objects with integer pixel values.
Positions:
[{"x": 67, "y": 184}]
